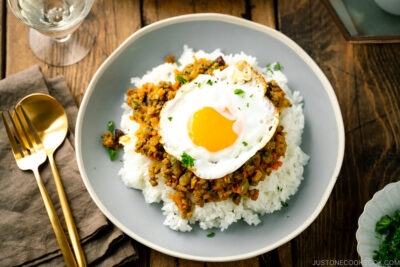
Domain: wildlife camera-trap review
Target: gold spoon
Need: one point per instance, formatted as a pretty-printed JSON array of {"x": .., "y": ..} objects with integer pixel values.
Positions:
[{"x": 51, "y": 122}]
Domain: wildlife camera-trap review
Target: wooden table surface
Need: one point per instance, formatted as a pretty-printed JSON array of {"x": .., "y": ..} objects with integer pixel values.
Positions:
[{"x": 366, "y": 79}]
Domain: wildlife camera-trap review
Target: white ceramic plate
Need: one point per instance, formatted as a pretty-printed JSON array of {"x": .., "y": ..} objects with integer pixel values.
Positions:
[{"x": 323, "y": 137}]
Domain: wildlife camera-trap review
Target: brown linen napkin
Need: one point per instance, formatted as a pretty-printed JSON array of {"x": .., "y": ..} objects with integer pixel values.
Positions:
[{"x": 26, "y": 235}]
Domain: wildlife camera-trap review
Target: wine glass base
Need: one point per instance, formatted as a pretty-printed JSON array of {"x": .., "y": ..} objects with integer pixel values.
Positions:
[{"x": 62, "y": 52}]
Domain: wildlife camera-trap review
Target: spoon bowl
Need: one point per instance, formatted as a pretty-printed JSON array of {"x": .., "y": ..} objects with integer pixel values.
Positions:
[{"x": 48, "y": 117}]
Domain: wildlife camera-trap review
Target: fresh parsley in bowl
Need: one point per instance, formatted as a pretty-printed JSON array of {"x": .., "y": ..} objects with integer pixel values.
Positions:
[
  {"x": 388, "y": 229},
  {"x": 378, "y": 233}
]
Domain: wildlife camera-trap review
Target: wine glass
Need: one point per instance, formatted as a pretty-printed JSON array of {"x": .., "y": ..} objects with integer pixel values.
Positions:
[{"x": 58, "y": 34}]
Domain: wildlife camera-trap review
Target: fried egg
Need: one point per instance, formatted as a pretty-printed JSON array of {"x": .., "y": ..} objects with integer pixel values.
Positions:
[{"x": 219, "y": 121}]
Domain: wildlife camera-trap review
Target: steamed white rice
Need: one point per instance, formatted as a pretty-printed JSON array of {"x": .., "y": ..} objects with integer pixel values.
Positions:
[{"x": 273, "y": 191}]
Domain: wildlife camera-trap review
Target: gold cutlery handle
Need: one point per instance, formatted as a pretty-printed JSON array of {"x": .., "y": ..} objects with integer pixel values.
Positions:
[
  {"x": 69, "y": 220},
  {"x": 55, "y": 222}
]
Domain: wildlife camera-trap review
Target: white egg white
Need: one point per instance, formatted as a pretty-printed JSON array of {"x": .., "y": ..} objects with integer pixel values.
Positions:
[{"x": 255, "y": 114}]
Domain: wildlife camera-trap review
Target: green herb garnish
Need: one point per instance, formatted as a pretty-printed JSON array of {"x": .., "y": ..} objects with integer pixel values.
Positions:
[
  {"x": 170, "y": 118},
  {"x": 136, "y": 107},
  {"x": 181, "y": 80},
  {"x": 383, "y": 225},
  {"x": 247, "y": 104},
  {"x": 112, "y": 153},
  {"x": 388, "y": 253},
  {"x": 187, "y": 160},
  {"x": 251, "y": 95},
  {"x": 269, "y": 68},
  {"x": 209, "y": 82},
  {"x": 199, "y": 85},
  {"x": 279, "y": 188},
  {"x": 110, "y": 126},
  {"x": 212, "y": 234},
  {"x": 239, "y": 91},
  {"x": 266, "y": 155},
  {"x": 284, "y": 203},
  {"x": 244, "y": 143},
  {"x": 278, "y": 66}
]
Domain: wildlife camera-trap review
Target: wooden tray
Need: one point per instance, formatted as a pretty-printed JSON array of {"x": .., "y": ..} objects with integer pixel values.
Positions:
[{"x": 363, "y": 21}]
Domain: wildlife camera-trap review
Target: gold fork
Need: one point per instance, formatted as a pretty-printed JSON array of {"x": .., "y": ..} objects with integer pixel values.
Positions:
[{"x": 30, "y": 156}]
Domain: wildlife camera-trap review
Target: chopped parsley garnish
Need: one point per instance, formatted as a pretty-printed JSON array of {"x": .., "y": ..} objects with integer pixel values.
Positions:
[
  {"x": 112, "y": 153},
  {"x": 284, "y": 203},
  {"x": 266, "y": 155},
  {"x": 212, "y": 234},
  {"x": 239, "y": 91},
  {"x": 170, "y": 118},
  {"x": 110, "y": 126},
  {"x": 278, "y": 66},
  {"x": 269, "y": 68},
  {"x": 279, "y": 188},
  {"x": 251, "y": 95},
  {"x": 383, "y": 225},
  {"x": 181, "y": 80},
  {"x": 209, "y": 82},
  {"x": 136, "y": 107},
  {"x": 187, "y": 160},
  {"x": 199, "y": 85},
  {"x": 388, "y": 227},
  {"x": 244, "y": 143},
  {"x": 239, "y": 108},
  {"x": 247, "y": 104}
]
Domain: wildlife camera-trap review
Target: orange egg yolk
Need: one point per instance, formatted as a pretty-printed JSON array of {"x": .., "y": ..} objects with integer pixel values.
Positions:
[{"x": 210, "y": 129}]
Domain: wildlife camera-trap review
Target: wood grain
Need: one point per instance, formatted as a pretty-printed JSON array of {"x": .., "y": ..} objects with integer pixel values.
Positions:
[
  {"x": 365, "y": 81},
  {"x": 154, "y": 10},
  {"x": 242, "y": 263},
  {"x": 263, "y": 11}
]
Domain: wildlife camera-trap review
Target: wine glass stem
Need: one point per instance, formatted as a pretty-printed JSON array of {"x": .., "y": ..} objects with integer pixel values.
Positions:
[{"x": 62, "y": 39}]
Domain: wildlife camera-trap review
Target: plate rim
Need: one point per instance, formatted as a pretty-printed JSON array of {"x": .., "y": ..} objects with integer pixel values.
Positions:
[{"x": 241, "y": 22}]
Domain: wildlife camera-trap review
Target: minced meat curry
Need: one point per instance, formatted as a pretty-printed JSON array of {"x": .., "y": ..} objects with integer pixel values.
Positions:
[{"x": 191, "y": 190}]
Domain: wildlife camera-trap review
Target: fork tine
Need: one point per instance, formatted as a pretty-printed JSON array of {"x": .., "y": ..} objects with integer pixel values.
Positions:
[
  {"x": 23, "y": 142},
  {"x": 24, "y": 133},
  {"x": 13, "y": 142},
  {"x": 32, "y": 129},
  {"x": 16, "y": 133}
]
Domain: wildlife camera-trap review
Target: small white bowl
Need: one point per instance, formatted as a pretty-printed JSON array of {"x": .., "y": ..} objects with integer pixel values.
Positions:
[{"x": 385, "y": 201}]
